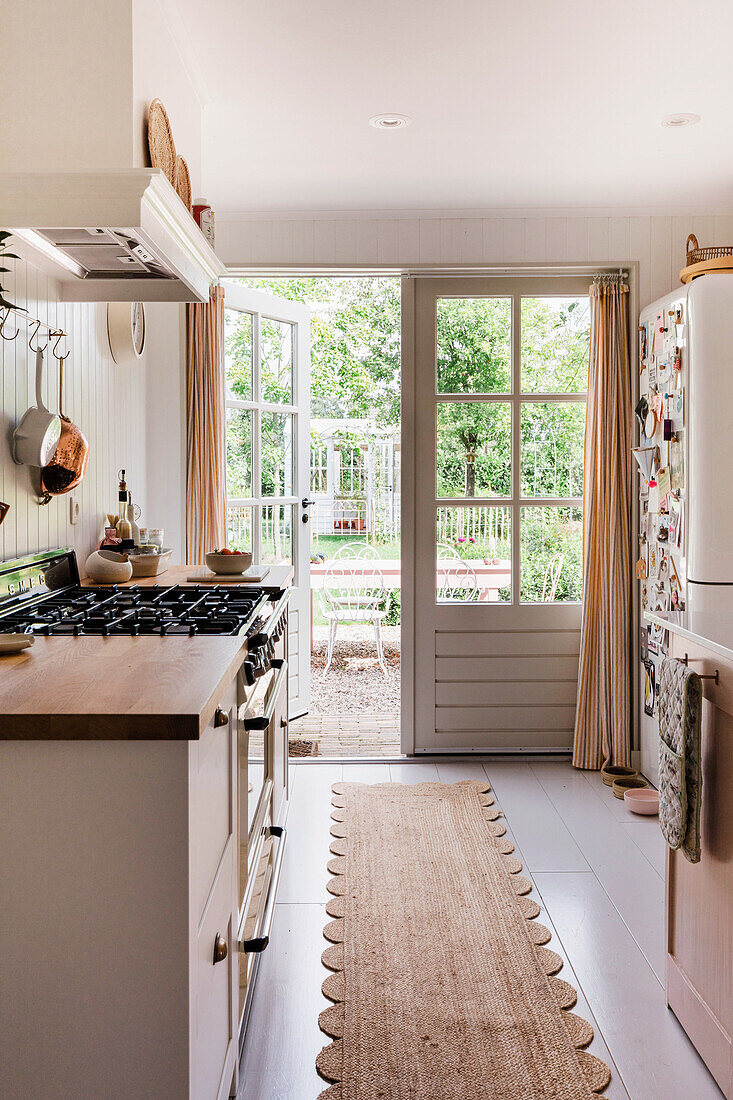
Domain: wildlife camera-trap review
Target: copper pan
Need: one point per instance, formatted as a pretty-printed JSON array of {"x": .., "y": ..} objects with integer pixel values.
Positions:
[{"x": 69, "y": 464}]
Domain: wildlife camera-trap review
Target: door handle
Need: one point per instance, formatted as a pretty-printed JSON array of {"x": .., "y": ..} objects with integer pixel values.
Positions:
[
  {"x": 306, "y": 503},
  {"x": 259, "y": 942}
]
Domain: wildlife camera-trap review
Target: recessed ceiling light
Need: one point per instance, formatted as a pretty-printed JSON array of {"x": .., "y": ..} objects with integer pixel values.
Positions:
[
  {"x": 390, "y": 122},
  {"x": 676, "y": 121}
]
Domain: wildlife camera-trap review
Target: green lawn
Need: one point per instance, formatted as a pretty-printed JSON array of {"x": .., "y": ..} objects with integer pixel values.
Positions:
[{"x": 329, "y": 544}]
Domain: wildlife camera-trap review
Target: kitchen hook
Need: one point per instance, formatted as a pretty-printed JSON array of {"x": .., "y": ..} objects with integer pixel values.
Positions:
[
  {"x": 34, "y": 335},
  {"x": 60, "y": 335},
  {"x": 3, "y": 323}
]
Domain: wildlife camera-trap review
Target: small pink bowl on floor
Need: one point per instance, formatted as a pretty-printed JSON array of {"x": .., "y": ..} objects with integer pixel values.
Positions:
[{"x": 643, "y": 801}]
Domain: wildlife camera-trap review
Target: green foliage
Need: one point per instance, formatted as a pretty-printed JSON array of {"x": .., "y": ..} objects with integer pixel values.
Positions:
[
  {"x": 545, "y": 533},
  {"x": 5, "y": 255}
]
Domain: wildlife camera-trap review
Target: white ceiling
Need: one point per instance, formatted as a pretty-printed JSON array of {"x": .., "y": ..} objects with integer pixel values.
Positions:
[{"x": 526, "y": 103}]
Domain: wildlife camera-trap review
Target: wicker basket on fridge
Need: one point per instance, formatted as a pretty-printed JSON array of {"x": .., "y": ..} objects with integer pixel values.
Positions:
[{"x": 700, "y": 260}]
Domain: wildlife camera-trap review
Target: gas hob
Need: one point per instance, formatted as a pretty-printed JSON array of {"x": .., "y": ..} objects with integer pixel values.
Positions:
[{"x": 42, "y": 595}]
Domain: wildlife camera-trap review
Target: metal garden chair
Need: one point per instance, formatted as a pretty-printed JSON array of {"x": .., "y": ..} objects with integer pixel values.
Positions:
[{"x": 354, "y": 592}]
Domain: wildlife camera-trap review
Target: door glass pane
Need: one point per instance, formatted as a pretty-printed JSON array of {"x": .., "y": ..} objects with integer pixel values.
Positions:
[
  {"x": 277, "y": 534},
  {"x": 239, "y": 452},
  {"x": 554, "y": 344},
  {"x": 238, "y": 354},
  {"x": 473, "y": 449},
  {"x": 239, "y": 527},
  {"x": 474, "y": 345},
  {"x": 473, "y": 554},
  {"x": 553, "y": 435},
  {"x": 551, "y": 550},
  {"x": 277, "y": 454},
  {"x": 277, "y": 342}
]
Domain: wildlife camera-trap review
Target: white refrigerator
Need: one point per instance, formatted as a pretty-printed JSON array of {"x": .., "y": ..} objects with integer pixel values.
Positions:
[{"x": 684, "y": 431}]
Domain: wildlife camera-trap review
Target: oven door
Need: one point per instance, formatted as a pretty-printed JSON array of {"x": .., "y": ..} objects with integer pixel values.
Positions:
[{"x": 263, "y": 777}]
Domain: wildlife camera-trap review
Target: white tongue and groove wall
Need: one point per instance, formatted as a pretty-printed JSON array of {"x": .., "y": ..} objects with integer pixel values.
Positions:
[
  {"x": 131, "y": 415},
  {"x": 655, "y": 241}
]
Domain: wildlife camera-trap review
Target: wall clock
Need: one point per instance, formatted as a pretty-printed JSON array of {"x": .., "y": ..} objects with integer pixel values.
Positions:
[{"x": 126, "y": 331}]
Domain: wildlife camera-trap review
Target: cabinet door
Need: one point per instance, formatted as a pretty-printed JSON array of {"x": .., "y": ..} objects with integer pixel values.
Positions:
[{"x": 214, "y": 1024}]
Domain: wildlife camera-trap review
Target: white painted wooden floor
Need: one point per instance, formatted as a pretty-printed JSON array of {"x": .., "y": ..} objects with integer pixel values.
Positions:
[{"x": 598, "y": 874}]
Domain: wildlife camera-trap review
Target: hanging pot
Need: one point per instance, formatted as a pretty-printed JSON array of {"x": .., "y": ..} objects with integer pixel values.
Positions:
[
  {"x": 69, "y": 463},
  {"x": 36, "y": 437}
]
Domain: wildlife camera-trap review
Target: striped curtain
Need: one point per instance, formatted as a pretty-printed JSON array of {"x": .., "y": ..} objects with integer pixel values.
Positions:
[
  {"x": 206, "y": 458},
  {"x": 603, "y": 716}
]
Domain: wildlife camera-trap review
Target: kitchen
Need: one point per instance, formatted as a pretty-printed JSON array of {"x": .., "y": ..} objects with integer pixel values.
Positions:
[{"x": 165, "y": 885}]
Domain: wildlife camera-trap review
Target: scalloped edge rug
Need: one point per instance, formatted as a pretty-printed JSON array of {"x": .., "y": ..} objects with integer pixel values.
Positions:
[{"x": 442, "y": 987}]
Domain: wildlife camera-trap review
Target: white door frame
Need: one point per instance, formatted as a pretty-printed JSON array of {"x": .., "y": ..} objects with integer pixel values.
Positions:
[
  {"x": 260, "y": 304},
  {"x": 427, "y": 624},
  {"x": 408, "y": 273}
]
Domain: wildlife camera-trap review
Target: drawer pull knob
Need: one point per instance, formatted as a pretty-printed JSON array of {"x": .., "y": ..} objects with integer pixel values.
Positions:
[
  {"x": 220, "y": 949},
  {"x": 221, "y": 718}
]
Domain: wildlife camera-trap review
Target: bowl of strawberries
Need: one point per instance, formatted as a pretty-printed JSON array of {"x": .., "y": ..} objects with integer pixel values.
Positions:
[{"x": 227, "y": 562}]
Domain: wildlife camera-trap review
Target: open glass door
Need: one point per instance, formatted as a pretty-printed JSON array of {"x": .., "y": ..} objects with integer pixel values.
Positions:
[
  {"x": 267, "y": 357},
  {"x": 496, "y": 417}
]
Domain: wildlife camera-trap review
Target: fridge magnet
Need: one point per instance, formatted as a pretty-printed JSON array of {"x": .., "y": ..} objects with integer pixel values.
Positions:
[
  {"x": 641, "y": 568},
  {"x": 678, "y": 604},
  {"x": 650, "y": 688},
  {"x": 651, "y": 645},
  {"x": 652, "y": 368},
  {"x": 677, "y": 359},
  {"x": 667, "y": 421},
  {"x": 644, "y": 640},
  {"x": 677, "y": 464}
]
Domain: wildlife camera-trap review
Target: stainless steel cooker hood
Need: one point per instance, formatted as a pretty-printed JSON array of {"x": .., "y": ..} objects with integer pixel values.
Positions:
[{"x": 109, "y": 237}]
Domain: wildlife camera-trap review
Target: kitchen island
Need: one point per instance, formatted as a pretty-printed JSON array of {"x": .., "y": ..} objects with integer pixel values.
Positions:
[
  {"x": 123, "y": 844},
  {"x": 699, "y": 897}
]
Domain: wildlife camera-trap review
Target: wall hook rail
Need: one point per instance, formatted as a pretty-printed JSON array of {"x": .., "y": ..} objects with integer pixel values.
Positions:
[
  {"x": 35, "y": 324},
  {"x": 711, "y": 676}
]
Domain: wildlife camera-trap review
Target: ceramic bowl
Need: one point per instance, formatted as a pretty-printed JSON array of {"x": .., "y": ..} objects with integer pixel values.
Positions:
[
  {"x": 108, "y": 567},
  {"x": 228, "y": 564},
  {"x": 642, "y": 801}
]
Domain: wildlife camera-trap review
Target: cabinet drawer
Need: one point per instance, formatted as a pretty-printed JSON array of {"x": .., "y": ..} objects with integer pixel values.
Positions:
[
  {"x": 213, "y": 1046},
  {"x": 212, "y": 791}
]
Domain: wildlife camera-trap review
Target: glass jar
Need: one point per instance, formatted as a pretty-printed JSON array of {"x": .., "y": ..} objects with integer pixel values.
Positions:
[{"x": 155, "y": 537}]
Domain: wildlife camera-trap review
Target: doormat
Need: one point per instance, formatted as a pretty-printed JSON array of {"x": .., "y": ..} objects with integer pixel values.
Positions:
[
  {"x": 442, "y": 987},
  {"x": 300, "y": 747}
]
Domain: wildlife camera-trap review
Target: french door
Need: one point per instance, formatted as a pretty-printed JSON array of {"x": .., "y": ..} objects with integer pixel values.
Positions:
[
  {"x": 267, "y": 379},
  {"x": 494, "y": 411}
]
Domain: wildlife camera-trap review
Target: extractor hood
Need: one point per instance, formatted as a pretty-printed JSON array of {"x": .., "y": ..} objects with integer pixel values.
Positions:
[{"x": 109, "y": 237}]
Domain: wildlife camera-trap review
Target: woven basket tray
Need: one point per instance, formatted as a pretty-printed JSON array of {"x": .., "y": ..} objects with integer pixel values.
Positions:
[
  {"x": 701, "y": 260},
  {"x": 160, "y": 141}
]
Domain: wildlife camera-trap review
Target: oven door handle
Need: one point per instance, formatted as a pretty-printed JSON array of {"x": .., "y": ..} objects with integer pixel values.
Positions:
[
  {"x": 262, "y": 721},
  {"x": 259, "y": 942}
]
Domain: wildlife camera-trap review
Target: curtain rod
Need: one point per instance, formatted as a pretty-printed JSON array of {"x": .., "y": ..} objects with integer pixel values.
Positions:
[{"x": 432, "y": 270}]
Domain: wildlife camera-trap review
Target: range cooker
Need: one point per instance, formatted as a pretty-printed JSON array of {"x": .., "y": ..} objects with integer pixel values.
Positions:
[{"x": 42, "y": 595}]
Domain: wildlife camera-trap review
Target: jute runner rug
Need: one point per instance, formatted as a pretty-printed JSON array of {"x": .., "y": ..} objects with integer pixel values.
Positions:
[{"x": 441, "y": 985}]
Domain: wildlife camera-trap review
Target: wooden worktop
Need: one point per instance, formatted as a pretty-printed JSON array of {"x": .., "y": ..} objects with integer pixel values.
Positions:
[
  {"x": 121, "y": 688},
  {"x": 279, "y": 576}
]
